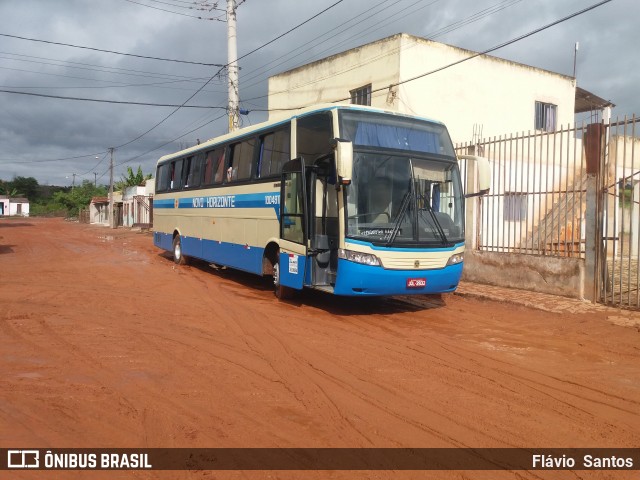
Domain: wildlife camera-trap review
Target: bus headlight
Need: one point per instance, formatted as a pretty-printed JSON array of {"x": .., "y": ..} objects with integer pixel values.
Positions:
[
  {"x": 455, "y": 259},
  {"x": 358, "y": 257}
]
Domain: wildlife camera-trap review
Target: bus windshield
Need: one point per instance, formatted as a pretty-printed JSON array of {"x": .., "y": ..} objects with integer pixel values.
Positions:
[
  {"x": 405, "y": 187},
  {"x": 403, "y": 200}
]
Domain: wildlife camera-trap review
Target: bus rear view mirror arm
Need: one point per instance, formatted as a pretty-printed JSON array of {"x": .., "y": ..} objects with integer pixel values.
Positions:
[
  {"x": 483, "y": 172},
  {"x": 344, "y": 160}
]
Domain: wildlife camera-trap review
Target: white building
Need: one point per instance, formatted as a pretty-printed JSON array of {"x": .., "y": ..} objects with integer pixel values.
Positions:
[
  {"x": 137, "y": 205},
  {"x": 13, "y": 206},
  {"x": 477, "y": 97}
]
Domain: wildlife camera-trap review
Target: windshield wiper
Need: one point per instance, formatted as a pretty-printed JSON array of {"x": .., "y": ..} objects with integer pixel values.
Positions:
[
  {"x": 436, "y": 223},
  {"x": 403, "y": 208}
]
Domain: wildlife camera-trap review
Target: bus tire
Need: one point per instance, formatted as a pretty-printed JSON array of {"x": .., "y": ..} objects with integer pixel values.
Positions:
[
  {"x": 178, "y": 256},
  {"x": 282, "y": 292}
]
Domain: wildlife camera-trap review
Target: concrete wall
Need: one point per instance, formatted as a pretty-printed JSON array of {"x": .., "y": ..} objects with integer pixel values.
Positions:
[{"x": 553, "y": 275}]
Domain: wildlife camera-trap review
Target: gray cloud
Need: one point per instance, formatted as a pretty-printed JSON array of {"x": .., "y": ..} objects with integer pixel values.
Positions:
[{"x": 34, "y": 129}]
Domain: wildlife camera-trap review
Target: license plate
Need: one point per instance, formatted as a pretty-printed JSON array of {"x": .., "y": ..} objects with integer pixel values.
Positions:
[{"x": 416, "y": 282}]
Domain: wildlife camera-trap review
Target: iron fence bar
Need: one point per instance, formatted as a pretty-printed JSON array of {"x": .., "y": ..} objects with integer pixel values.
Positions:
[
  {"x": 531, "y": 188},
  {"x": 553, "y": 196},
  {"x": 497, "y": 213},
  {"x": 613, "y": 231},
  {"x": 630, "y": 226},
  {"x": 579, "y": 175}
]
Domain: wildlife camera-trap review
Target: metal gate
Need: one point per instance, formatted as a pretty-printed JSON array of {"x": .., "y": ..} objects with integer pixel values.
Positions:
[
  {"x": 143, "y": 211},
  {"x": 619, "y": 202},
  {"x": 537, "y": 199}
]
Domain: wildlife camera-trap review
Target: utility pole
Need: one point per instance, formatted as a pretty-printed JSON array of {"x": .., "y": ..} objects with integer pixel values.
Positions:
[
  {"x": 73, "y": 184},
  {"x": 95, "y": 179},
  {"x": 111, "y": 219},
  {"x": 232, "y": 67}
]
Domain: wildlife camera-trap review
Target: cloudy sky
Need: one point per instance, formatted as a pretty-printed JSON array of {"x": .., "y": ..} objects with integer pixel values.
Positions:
[{"x": 40, "y": 136}]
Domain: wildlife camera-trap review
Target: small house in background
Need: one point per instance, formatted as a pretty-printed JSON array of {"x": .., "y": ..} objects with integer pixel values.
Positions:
[
  {"x": 13, "y": 206},
  {"x": 99, "y": 211},
  {"x": 137, "y": 205}
]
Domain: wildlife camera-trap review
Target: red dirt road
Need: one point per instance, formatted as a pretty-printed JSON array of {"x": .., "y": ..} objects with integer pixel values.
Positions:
[{"x": 104, "y": 342}]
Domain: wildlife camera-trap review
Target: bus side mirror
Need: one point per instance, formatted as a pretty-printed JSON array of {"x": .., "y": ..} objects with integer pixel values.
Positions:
[
  {"x": 484, "y": 174},
  {"x": 344, "y": 160}
]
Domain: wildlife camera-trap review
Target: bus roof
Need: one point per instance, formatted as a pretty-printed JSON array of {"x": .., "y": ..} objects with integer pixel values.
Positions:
[{"x": 272, "y": 123}]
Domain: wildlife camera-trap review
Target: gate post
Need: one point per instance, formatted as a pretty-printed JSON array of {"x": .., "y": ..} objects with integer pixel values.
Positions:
[
  {"x": 471, "y": 205},
  {"x": 594, "y": 155}
]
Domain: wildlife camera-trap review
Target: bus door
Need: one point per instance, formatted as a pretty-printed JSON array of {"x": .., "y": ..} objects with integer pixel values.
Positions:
[
  {"x": 323, "y": 221},
  {"x": 293, "y": 225}
]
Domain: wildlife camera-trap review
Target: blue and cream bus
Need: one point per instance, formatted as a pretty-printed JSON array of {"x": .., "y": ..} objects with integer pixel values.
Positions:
[{"x": 345, "y": 199}]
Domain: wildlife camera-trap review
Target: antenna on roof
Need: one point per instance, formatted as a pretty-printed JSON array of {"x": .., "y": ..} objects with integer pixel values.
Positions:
[{"x": 575, "y": 58}]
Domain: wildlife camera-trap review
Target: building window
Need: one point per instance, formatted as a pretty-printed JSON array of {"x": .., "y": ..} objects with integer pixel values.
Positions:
[
  {"x": 546, "y": 116},
  {"x": 515, "y": 207},
  {"x": 361, "y": 96}
]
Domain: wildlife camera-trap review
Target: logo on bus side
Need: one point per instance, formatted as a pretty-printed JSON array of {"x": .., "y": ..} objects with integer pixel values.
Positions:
[
  {"x": 224, "y": 201},
  {"x": 231, "y": 201}
]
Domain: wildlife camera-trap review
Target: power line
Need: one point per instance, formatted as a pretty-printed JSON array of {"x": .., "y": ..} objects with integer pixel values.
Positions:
[
  {"x": 164, "y": 144},
  {"x": 289, "y": 31},
  {"x": 484, "y": 52},
  {"x": 196, "y": 92},
  {"x": 53, "y": 159},
  {"x": 222, "y": 68},
  {"x": 492, "y": 49},
  {"x": 451, "y": 27},
  {"x": 108, "y": 101},
  {"x": 120, "y": 84},
  {"x": 109, "y": 51},
  {"x": 96, "y": 165},
  {"x": 282, "y": 60},
  {"x": 497, "y": 47},
  {"x": 202, "y": 7},
  {"x": 219, "y": 19},
  {"x": 97, "y": 68}
]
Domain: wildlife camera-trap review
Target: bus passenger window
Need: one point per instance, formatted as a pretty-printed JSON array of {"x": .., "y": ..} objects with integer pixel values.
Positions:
[
  {"x": 162, "y": 183},
  {"x": 315, "y": 133},
  {"x": 274, "y": 152},
  {"x": 213, "y": 165},
  {"x": 193, "y": 172},
  {"x": 176, "y": 175},
  {"x": 186, "y": 166},
  {"x": 241, "y": 161}
]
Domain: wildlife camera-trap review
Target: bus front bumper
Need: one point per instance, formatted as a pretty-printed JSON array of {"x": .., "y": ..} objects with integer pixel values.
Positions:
[{"x": 355, "y": 279}]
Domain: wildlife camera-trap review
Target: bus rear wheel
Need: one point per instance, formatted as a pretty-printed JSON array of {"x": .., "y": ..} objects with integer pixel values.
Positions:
[
  {"x": 282, "y": 292},
  {"x": 178, "y": 256}
]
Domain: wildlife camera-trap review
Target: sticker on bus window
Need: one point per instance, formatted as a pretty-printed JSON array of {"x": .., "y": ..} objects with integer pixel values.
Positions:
[{"x": 293, "y": 264}]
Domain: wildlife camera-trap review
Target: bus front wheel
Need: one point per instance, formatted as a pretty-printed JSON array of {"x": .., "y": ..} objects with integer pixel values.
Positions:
[
  {"x": 178, "y": 256},
  {"x": 281, "y": 291}
]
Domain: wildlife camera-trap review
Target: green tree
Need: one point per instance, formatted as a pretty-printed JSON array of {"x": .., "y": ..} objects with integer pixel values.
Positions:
[
  {"x": 79, "y": 197},
  {"x": 27, "y": 186},
  {"x": 132, "y": 179},
  {"x": 7, "y": 189}
]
